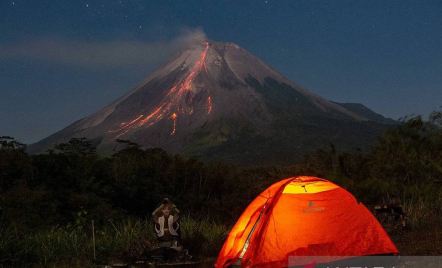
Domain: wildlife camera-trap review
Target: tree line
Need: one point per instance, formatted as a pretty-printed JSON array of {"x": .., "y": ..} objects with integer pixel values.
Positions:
[{"x": 72, "y": 184}]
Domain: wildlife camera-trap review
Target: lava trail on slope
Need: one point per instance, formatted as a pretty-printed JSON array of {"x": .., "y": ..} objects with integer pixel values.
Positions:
[{"x": 177, "y": 102}]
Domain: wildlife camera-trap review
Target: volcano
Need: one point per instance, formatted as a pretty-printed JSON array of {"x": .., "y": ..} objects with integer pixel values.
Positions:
[{"x": 217, "y": 101}]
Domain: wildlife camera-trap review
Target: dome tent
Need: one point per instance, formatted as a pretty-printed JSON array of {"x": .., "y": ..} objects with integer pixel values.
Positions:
[{"x": 303, "y": 216}]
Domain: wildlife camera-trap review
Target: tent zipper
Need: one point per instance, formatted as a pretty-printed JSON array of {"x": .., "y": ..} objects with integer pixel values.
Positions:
[{"x": 246, "y": 244}]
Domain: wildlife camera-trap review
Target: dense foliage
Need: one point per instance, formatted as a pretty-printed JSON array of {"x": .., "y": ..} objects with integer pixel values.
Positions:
[
  {"x": 60, "y": 192},
  {"x": 43, "y": 190},
  {"x": 406, "y": 164}
]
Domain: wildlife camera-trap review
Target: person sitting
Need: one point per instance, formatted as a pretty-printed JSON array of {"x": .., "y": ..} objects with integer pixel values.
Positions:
[{"x": 167, "y": 226}]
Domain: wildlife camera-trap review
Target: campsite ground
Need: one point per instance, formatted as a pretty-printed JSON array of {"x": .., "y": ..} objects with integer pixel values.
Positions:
[{"x": 423, "y": 241}]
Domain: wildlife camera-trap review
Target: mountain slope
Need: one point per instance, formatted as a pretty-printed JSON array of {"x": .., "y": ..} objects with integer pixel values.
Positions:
[
  {"x": 367, "y": 113},
  {"x": 219, "y": 102}
]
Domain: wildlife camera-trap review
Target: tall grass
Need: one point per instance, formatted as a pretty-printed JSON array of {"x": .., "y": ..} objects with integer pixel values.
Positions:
[
  {"x": 9, "y": 248},
  {"x": 129, "y": 239},
  {"x": 125, "y": 240},
  {"x": 202, "y": 236},
  {"x": 422, "y": 214},
  {"x": 115, "y": 242},
  {"x": 423, "y": 205}
]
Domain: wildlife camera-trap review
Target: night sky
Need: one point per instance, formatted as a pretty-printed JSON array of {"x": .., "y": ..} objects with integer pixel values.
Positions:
[{"x": 61, "y": 61}]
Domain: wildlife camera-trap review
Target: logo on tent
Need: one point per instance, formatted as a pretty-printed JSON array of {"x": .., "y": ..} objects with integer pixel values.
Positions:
[{"x": 312, "y": 208}]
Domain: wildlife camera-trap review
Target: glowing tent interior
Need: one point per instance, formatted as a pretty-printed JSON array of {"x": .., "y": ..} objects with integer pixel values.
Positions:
[{"x": 303, "y": 216}]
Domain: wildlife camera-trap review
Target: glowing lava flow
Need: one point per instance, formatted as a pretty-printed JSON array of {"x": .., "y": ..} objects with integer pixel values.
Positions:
[
  {"x": 174, "y": 116},
  {"x": 177, "y": 101},
  {"x": 209, "y": 105}
]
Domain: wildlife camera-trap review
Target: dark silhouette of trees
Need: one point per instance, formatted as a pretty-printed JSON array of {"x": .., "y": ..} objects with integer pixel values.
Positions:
[
  {"x": 9, "y": 143},
  {"x": 37, "y": 191},
  {"x": 77, "y": 146}
]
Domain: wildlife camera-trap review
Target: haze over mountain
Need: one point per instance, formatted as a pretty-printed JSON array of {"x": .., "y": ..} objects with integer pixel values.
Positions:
[{"x": 219, "y": 102}]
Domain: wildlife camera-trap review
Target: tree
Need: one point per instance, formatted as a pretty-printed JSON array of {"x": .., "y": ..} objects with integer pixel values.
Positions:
[
  {"x": 15, "y": 164},
  {"x": 8, "y": 143},
  {"x": 77, "y": 146}
]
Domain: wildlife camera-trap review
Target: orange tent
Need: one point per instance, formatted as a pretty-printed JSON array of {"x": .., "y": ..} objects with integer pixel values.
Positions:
[{"x": 303, "y": 216}]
